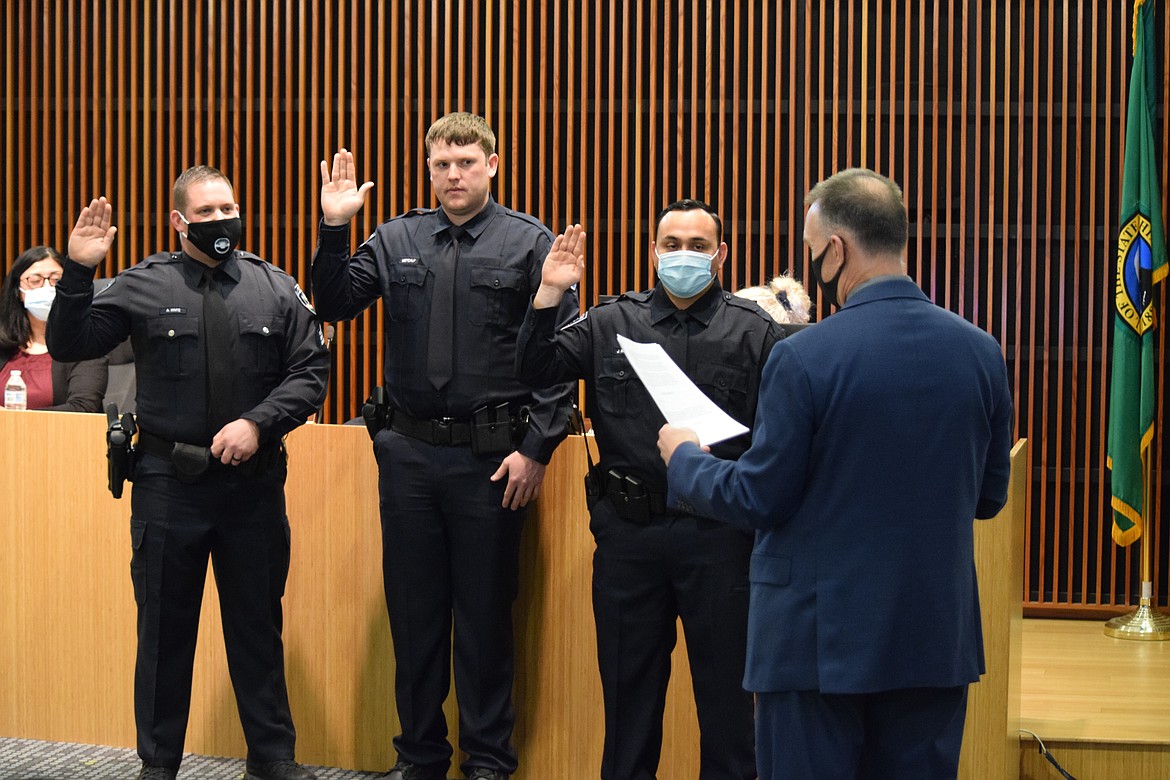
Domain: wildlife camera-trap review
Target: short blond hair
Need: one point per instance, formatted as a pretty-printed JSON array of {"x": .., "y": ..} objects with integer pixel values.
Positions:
[
  {"x": 461, "y": 129},
  {"x": 784, "y": 299}
]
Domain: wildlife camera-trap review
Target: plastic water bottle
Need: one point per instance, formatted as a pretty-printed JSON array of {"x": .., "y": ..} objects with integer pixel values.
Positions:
[{"x": 16, "y": 393}]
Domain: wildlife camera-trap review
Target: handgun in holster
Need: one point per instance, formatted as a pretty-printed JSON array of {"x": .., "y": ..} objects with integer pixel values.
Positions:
[
  {"x": 374, "y": 411},
  {"x": 119, "y": 448}
]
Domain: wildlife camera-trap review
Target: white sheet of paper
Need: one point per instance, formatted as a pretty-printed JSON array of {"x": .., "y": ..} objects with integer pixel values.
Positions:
[{"x": 680, "y": 402}]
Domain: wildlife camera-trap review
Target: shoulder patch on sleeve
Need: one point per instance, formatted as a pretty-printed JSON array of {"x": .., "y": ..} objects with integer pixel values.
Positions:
[
  {"x": 580, "y": 318},
  {"x": 305, "y": 302}
]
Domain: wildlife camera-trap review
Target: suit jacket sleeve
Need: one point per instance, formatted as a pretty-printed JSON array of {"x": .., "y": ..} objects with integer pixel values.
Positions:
[
  {"x": 766, "y": 485},
  {"x": 997, "y": 468}
]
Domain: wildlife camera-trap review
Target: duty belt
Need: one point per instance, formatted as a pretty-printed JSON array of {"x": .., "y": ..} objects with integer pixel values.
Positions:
[
  {"x": 490, "y": 431},
  {"x": 443, "y": 432},
  {"x": 632, "y": 500},
  {"x": 191, "y": 461}
]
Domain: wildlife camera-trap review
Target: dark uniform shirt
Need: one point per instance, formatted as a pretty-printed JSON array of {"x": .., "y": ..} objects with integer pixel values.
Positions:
[
  {"x": 720, "y": 342},
  {"x": 279, "y": 355},
  {"x": 498, "y": 271}
]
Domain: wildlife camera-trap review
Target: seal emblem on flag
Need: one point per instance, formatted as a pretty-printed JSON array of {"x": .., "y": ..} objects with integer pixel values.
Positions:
[{"x": 1134, "y": 274}]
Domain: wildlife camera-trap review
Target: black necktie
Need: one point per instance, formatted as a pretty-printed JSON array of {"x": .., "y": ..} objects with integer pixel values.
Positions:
[
  {"x": 679, "y": 344},
  {"x": 217, "y": 352},
  {"x": 441, "y": 340}
]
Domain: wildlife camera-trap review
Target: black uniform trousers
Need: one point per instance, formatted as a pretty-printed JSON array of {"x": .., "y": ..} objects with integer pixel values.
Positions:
[
  {"x": 911, "y": 733},
  {"x": 450, "y": 554},
  {"x": 241, "y": 524},
  {"x": 644, "y": 578}
]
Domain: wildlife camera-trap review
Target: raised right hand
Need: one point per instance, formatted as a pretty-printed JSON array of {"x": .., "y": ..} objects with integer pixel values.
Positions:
[
  {"x": 562, "y": 268},
  {"x": 93, "y": 234},
  {"x": 341, "y": 198}
]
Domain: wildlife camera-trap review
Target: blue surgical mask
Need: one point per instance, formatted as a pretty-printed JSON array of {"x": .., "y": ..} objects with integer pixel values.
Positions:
[
  {"x": 38, "y": 302},
  {"x": 684, "y": 273}
]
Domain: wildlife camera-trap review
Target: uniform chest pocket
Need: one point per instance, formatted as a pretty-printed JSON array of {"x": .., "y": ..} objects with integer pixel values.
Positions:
[
  {"x": 619, "y": 391},
  {"x": 725, "y": 385},
  {"x": 405, "y": 290},
  {"x": 498, "y": 295},
  {"x": 261, "y": 344},
  {"x": 172, "y": 347}
]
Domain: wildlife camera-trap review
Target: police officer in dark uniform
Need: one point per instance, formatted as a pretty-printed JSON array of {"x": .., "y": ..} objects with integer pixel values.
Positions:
[
  {"x": 652, "y": 564},
  {"x": 462, "y": 444},
  {"x": 229, "y": 358}
]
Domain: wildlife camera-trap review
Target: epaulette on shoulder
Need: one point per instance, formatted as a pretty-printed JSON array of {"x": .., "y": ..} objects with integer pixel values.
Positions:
[
  {"x": 641, "y": 296},
  {"x": 418, "y": 212},
  {"x": 747, "y": 305},
  {"x": 531, "y": 220},
  {"x": 155, "y": 259},
  {"x": 251, "y": 258}
]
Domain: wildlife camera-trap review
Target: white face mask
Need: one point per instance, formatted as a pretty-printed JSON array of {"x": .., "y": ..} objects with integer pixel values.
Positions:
[{"x": 38, "y": 302}]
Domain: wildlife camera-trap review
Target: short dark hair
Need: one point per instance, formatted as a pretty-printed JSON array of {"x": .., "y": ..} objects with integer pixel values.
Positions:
[
  {"x": 690, "y": 204},
  {"x": 866, "y": 204},
  {"x": 194, "y": 175},
  {"x": 14, "y": 327}
]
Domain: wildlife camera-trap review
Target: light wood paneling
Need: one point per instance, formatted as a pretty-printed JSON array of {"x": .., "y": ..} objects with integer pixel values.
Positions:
[
  {"x": 67, "y": 613},
  {"x": 1003, "y": 121},
  {"x": 1089, "y": 761},
  {"x": 991, "y": 736},
  {"x": 1079, "y": 684},
  {"x": 1099, "y": 704}
]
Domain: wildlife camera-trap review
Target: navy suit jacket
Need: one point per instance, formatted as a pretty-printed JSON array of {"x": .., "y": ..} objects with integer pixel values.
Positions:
[{"x": 881, "y": 433}]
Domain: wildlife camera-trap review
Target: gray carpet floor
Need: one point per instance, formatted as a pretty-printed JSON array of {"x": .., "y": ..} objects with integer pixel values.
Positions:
[{"x": 28, "y": 759}]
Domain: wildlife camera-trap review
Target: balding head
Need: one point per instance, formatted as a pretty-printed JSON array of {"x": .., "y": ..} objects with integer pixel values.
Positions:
[{"x": 867, "y": 205}]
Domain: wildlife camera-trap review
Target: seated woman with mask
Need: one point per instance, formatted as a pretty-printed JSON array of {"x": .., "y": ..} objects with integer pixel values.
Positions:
[{"x": 25, "y": 299}]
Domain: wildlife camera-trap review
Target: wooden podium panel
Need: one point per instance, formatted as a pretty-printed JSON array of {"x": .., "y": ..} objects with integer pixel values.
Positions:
[
  {"x": 991, "y": 739},
  {"x": 67, "y": 614}
]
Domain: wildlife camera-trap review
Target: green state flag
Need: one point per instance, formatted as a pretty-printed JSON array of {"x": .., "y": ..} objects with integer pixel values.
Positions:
[{"x": 1141, "y": 263}]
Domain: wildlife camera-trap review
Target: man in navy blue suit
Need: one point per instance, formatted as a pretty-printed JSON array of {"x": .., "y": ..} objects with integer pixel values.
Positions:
[{"x": 881, "y": 433}]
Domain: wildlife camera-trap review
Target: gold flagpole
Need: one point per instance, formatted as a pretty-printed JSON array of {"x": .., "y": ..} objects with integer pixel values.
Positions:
[{"x": 1145, "y": 622}]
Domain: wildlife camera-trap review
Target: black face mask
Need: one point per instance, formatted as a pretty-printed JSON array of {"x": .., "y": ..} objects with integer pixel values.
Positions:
[
  {"x": 829, "y": 288},
  {"x": 216, "y": 239}
]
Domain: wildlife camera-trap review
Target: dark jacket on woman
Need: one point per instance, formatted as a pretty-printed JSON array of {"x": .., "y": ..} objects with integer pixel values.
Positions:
[{"x": 77, "y": 387}]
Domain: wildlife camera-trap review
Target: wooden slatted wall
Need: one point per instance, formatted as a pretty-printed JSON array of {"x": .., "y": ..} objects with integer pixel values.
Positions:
[{"x": 1003, "y": 121}]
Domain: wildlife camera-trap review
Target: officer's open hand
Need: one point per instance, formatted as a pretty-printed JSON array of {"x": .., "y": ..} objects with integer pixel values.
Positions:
[
  {"x": 93, "y": 234},
  {"x": 341, "y": 197},
  {"x": 524, "y": 478},
  {"x": 670, "y": 437},
  {"x": 562, "y": 268},
  {"x": 236, "y": 442}
]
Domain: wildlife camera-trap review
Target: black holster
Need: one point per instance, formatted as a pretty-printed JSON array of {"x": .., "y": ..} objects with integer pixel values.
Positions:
[
  {"x": 593, "y": 482},
  {"x": 374, "y": 411},
  {"x": 629, "y": 496},
  {"x": 119, "y": 449}
]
